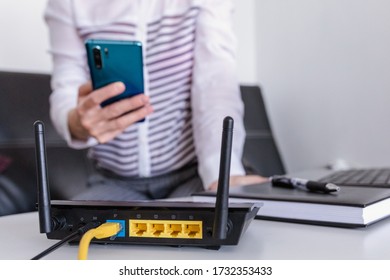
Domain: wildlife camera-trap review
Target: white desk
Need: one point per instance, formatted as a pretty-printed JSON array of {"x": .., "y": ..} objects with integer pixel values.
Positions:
[{"x": 20, "y": 239}]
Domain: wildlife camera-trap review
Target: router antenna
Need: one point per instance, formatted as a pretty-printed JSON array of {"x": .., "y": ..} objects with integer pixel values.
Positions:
[
  {"x": 44, "y": 206},
  {"x": 222, "y": 201}
]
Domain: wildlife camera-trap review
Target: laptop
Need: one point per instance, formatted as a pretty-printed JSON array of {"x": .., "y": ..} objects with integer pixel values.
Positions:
[{"x": 361, "y": 177}]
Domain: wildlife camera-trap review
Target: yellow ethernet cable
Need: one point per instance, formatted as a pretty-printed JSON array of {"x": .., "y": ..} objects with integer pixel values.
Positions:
[{"x": 103, "y": 231}]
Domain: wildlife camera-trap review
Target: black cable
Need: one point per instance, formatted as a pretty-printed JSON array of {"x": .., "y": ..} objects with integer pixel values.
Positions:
[{"x": 68, "y": 238}]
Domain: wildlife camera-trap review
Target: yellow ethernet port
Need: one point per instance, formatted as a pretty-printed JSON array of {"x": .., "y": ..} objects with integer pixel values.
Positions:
[
  {"x": 157, "y": 229},
  {"x": 165, "y": 229},
  {"x": 174, "y": 229},
  {"x": 191, "y": 229},
  {"x": 138, "y": 229}
]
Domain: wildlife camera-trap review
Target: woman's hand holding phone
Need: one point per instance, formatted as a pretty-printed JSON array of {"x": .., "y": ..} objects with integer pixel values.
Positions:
[{"x": 89, "y": 118}]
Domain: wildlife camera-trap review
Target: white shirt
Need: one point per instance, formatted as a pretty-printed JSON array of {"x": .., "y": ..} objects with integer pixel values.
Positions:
[{"x": 190, "y": 77}]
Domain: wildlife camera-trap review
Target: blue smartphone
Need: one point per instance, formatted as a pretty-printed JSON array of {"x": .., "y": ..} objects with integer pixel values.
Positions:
[{"x": 116, "y": 61}]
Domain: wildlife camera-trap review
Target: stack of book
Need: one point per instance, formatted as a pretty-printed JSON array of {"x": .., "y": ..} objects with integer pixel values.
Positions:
[{"x": 349, "y": 207}]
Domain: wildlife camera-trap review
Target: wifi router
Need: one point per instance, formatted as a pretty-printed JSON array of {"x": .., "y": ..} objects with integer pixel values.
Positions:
[{"x": 206, "y": 225}]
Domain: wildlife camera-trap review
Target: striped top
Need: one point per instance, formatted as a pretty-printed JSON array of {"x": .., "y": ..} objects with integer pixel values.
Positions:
[{"x": 190, "y": 80}]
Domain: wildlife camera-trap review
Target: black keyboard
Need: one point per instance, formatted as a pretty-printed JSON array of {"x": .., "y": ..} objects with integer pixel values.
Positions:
[{"x": 360, "y": 177}]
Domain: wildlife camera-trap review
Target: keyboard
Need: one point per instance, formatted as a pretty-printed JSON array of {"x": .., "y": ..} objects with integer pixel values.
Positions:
[{"x": 360, "y": 177}]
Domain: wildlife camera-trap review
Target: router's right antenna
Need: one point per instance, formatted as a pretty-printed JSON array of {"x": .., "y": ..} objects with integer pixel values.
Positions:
[
  {"x": 222, "y": 202},
  {"x": 44, "y": 206}
]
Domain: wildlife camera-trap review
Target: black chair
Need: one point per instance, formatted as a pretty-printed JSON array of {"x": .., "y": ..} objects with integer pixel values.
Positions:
[
  {"x": 261, "y": 154},
  {"x": 24, "y": 98},
  {"x": 12, "y": 198}
]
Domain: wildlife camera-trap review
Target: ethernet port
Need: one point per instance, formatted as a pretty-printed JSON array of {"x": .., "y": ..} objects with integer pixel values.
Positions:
[
  {"x": 137, "y": 229},
  {"x": 157, "y": 229},
  {"x": 174, "y": 229},
  {"x": 122, "y": 232},
  {"x": 192, "y": 230}
]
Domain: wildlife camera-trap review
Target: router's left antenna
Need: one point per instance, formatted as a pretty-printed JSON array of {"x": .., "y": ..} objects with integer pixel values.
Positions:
[{"x": 44, "y": 206}]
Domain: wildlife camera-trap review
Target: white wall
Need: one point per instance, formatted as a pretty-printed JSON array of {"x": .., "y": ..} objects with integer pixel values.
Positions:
[
  {"x": 245, "y": 29},
  {"x": 24, "y": 40},
  {"x": 325, "y": 69}
]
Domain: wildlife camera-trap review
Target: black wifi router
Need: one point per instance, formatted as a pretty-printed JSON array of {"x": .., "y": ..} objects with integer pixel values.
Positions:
[{"x": 206, "y": 225}]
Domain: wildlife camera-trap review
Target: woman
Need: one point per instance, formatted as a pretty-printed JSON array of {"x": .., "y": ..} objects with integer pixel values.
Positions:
[{"x": 190, "y": 86}]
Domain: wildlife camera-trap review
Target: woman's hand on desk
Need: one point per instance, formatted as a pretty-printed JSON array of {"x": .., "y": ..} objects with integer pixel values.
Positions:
[{"x": 242, "y": 181}]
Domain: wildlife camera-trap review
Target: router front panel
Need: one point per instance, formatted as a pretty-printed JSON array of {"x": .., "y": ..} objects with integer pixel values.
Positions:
[{"x": 164, "y": 224}]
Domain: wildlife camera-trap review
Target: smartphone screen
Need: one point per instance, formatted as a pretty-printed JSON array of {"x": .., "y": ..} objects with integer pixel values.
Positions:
[{"x": 116, "y": 61}]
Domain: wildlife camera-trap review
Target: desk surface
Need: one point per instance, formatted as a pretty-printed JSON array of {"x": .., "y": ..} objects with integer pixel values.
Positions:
[{"x": 20, "y": 240}]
